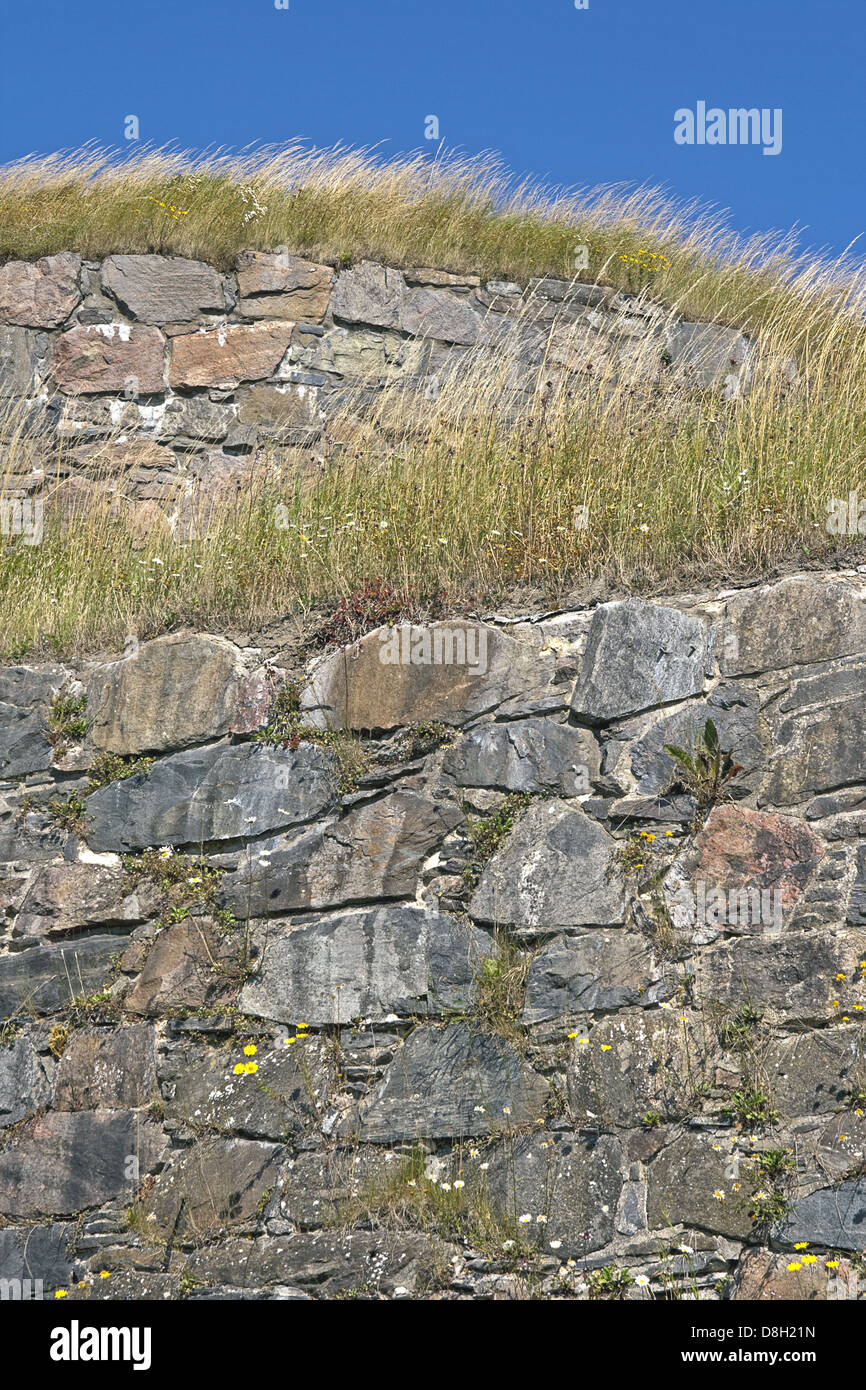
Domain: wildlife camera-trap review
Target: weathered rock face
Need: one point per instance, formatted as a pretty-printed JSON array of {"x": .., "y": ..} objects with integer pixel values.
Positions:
[
  {"x": 171, "y": 693},
  {"x": 162, "y": 289},
  {"x": 216, "y": 793},
  {"x": 227, "y": 356},
  {"x": 41, "y": 295},
  {"x": 832, "y": 1217},
  {"x": 46, "y": 979},
  {"x": 372, "y": 965},
  {"x": 745, "y": 871},
  {"x": 370, "y": 294},
  {"x": 740, "y": 727},
  {"x": 276, "y": 285},
  {"x": 600, "y": 971},
  {"x": 217, "y": 1184},
  {"x": 405, "y": 675},
  {"x": 374, "y": 852},
  {"x": 524, "y": 755},
  {"x": 557, "y": 869},
  {"x": 110, "y": 358},
  {"x": 494, "y": 966},
  {"x": 688, "y": 1183},
  {"x": 794, "y": 623},
  {"x": 653, "y": 1062},
  {"x": 63, "y": 899},
  {"x": 25, "y": 1084},
  {"x": 796, "y": 977},
  {"x": 102, "y": 1070},
  {"x": 638, "y": 656},
  {"x": 573, "y": 1182},
  {"x": 25, "y": 698},
  {"x": 67, "y": 1161},
  {"x": 189, "y": 966},
  {"x": 817, "y": 752},
  {"x": 281, "y": 1100},
  {"x": 452, "y": 1082}
]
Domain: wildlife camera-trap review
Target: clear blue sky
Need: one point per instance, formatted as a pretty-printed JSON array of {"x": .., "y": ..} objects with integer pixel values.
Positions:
[{"x": 577, "y": 97}]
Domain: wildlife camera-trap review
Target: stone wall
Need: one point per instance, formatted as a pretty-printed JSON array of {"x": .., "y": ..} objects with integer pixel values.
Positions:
[
  {"x": 186, "y": 373},
  {"x": 438, "y": 975}
]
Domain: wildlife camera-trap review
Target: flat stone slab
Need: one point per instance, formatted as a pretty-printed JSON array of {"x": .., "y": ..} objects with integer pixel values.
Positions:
[
  {"x": 791, "y": 976},
  {"x": 63, "y": 898},
  {"x": 163, "y": 289},
  {"x": 190, "y": 965},
  {"x": 813, "y": 1073},
  {"x": 40, "y": 294},
  {"x": 25, "y": 699},
  {"x": 379, "y": 963},
  {"x": 682, "y": 1183},
  {"x": 37, "y": 1253},
  {"x": 25, "y": 1081},
  {"x": 370, "y": 294},
  {"x": 447, "y": 672},
  {"x": 44, "y": 979},
  {"x": 601, "y": 971},
  {"x": 572, "y": 1183},
  {"x": 638, "y": 656},
  {"x": 107, "y": 1070},
  {"x": 556, "y": 869},
  {"x": 452, "y": 1081},
  {"x": 817, "y": 751},
  {"x": 66, "y": 1162},
  {"x": 430, "y": 313},
  {"x": 275, "y": 284},
  {"x": 172, "y": 692},
  {"x": 285, "y": 1099},
  {"x": 794, "y": 622},
  {"x": 526, "y": 755},
  {"x": 110, "y": 357},
  {"x": 374, "y": 853},
  {"x": 744, "y": 872},
  {"x": 227, "y": 356},
  {"x": 330, "y": 1264},
  {"x": 833, "y": 1217},
  {"x": 211, "y": 1187},
  {"x": 215, "y": 793},
  {"x": 626, "y": 1067}
]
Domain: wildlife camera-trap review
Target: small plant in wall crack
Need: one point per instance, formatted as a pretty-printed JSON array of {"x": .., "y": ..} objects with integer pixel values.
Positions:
[
  {"x": 706, "y": 769},
  {"x": 499, "y": 989},
  {"x": 609, "y": 1282},
  {"x": 486, "y": 833},
  {"x": 750, "y": 1106},
  {"x": 67, "y": 722},
  {"x": 287, "y": 728}
]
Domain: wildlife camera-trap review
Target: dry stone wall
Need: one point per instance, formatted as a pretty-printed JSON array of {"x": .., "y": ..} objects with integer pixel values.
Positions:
[
  {"x": 185, "y": 373},
  {"x": 439, "y": 976}
]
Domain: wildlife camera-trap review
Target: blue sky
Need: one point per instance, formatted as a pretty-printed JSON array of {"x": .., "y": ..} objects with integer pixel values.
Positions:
[{"x": 577, "y": 97}]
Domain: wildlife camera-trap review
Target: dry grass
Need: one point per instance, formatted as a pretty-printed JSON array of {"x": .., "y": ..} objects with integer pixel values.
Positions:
[{"x": 473, "y": 495}]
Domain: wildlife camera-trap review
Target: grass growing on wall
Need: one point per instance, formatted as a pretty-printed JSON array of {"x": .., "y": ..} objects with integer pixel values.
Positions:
[
  {"x": 451, "y": 212},
  {"x": 474, "y": 496}
]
